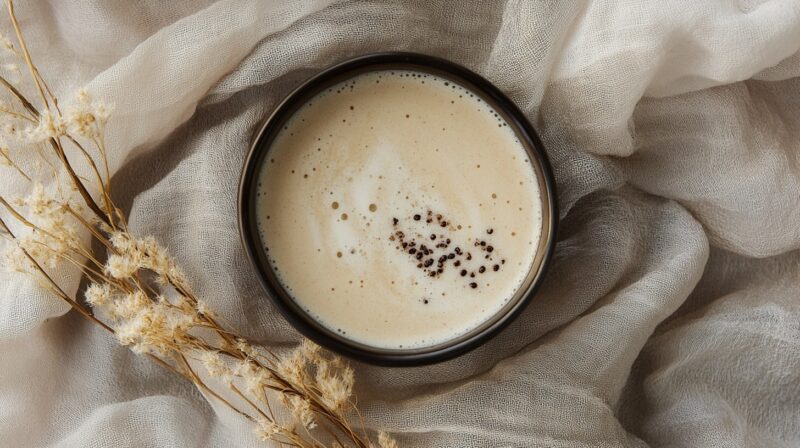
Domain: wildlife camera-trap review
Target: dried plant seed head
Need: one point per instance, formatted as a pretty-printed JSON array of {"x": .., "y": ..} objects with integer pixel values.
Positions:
[
  {"x": 39, "y": 202},
  {"x": 121, "y": 267},
  {"x": 214, "y": 364},
  {"x": 121, "y": 241},
  {"x": 310, "y": 350},
  {"x": 256, "y": 380},
  {"x": 168, "y": 322},
  {"x": 82, "y": 97},
  {"x": 87, "y": 118},
  {"x": 14, "y": 259},
  {"x": 301, "y": 410},
  {"x": 203, "y": 309},
  {"x": 98, "y": 295},
  {"x": 48, "y": 126},
  {"x": 293, "y": 367},
  {"x": 335, "y": 385},
  {"x": 386, "y": 441},
  {"x": 267, "y": 430}
]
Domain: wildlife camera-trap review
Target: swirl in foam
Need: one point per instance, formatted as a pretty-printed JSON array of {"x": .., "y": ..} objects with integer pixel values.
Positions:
[{"x": 399, "y": 209}]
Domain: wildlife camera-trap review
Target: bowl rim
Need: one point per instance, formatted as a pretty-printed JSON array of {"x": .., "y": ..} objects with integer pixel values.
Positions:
[{"x": 305, "y": 324}]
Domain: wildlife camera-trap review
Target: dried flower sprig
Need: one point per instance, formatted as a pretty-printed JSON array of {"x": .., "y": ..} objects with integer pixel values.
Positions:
[{"x": 135, "y": 289}]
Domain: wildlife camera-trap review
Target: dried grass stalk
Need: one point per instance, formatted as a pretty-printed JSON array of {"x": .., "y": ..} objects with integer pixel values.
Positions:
[{"x": 135, "y": 290}]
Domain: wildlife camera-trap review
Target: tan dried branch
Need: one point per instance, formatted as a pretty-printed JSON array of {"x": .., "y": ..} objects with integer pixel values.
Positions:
[{"x": 138, "y": 292}]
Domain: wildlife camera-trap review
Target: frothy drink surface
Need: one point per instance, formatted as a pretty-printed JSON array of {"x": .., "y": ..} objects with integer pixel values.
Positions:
[{"x": 399, "y": 210}]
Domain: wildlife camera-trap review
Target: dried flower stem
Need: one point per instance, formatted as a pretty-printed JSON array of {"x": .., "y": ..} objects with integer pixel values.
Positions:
[
  {"x": 138, "y": 293},
  {"x": 28, "y": 62},
  {"x": 107, "y": 217},
  {"x": 87, "y": 197},
  {"x": 53, "y": 286},
  {"x": 25, "y": 103}
]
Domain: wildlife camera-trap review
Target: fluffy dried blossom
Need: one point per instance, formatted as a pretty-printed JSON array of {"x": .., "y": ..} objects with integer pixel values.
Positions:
[
  {"x": 254, "y": 376},
  {"x": 139, "y": 292},
  {"x": 46, "y": 254},
  {"x": 301, "y": 410},
  {"x": 386, "y": 441},
  {"x": 87, "y": 118},
  {"x": 55, "y": 233},
  {"x": 215, "y": 366},
  {"x": 127, "y": 306},
  {"x": 39, "y": 202},
  {"x": 98, "y": 294},
  {"x": 266, "y": 430},
  {"x": 49, "y": 126},
  {"x": 310, "y": 350},
  {"x": 146, "y": 253},
  {"x": 14, "y": 259},
  {"x": 293, "y": 367},
  {"x": 246, "y": 348},
  {"x": 256, "y": 381},
  {"x": 335, "y": 385},
  {"x": 154, "y": 328},
  {"x": 122, "y": 266},
  {"x": 203, "y": 309},
  {"x": 121, "y": 241}
]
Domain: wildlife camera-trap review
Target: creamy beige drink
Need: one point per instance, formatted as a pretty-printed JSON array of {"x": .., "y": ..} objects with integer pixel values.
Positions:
[{"x": 399, "y": 210}]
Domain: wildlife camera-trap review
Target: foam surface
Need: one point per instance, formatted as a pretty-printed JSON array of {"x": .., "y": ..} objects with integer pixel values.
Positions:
[{"x": 369, "y": 172}]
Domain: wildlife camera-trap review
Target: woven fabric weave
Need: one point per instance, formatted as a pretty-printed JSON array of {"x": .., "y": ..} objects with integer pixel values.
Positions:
[{"x": 670, "y": 316}]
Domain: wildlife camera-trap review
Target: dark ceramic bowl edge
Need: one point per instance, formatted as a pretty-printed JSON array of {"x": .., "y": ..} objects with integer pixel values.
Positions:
[{"x": 301, "y": 323}]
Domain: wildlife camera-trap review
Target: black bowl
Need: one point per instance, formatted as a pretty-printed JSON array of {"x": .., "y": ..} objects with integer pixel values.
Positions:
[{"x": 338, "y": 73}]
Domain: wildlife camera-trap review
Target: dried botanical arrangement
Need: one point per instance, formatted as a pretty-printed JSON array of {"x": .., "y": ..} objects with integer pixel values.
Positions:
[{"x": 135, "y": 289}]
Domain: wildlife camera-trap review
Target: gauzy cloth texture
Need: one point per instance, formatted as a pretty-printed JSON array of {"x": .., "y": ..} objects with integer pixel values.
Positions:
[{"x": 670, "y": 314}]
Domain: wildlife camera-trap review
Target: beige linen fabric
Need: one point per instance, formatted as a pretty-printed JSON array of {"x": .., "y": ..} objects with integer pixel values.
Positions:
[{"x": 670, "y": 317}]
